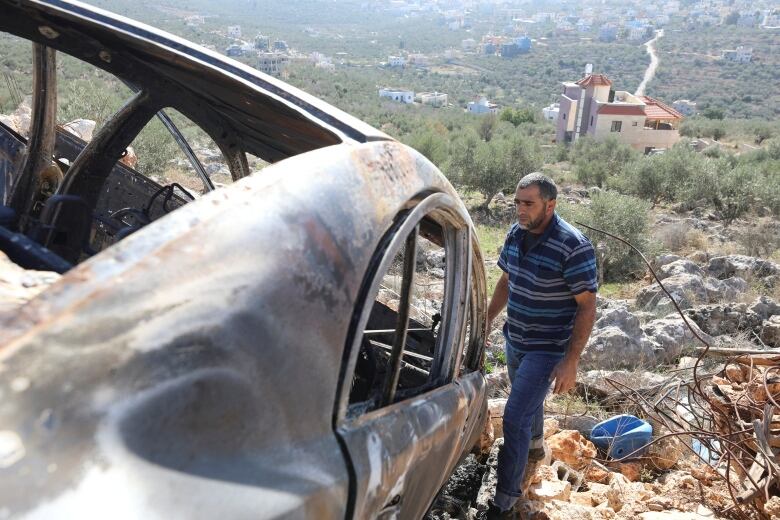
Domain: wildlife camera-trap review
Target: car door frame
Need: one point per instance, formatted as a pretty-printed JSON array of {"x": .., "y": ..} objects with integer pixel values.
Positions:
[{"x": 386, "y": 448}]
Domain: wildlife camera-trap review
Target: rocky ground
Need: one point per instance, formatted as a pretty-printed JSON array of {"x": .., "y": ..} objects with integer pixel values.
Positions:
[
  {"x": 640, "y": 343},
  {"x": 575, "y": 481}
]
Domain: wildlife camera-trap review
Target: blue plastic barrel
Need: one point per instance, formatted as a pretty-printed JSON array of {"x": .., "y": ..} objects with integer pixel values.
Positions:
[{"x": 622, "y": 435}]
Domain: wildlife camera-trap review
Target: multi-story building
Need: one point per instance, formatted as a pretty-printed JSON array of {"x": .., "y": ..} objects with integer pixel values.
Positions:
[
  {"x": 771, "y": 19},
  {"x": 741, "y": 54},
  {"x": 262, "y": 43},
  {"x": 272, "y": 63},
  {"x": 638, "y": 32},
  {"x": 747, "y": 19},
  {"x": 234, "y": 31},
  {"x": 590, "y": 107}
]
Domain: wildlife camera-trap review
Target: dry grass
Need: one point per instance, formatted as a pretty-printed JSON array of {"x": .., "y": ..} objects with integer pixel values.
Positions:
[
  {"x": 621, "y": 291},
  {"x": 572, "y": 404},
  {"x": 697, "y": 240},
  {"x": 674, "y": 237}
]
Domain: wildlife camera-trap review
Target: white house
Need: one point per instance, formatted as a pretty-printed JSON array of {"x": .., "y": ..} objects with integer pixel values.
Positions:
[
  {"x": 685, "y": 106},
  {"x": 637, "y": 33},
  {"x": 321, "y": 61},
  {"x": 402, "y": 96},
  {"x": 550, "y": 113},
  {"x": 396, "y": 61},
  {"x": 418, "y": 60},
  {"x": 771, "y": 19},
  {"x": 744, "y": 54},
  {"x": 543, "y": 17},
  {"x": 434, "y": 99},
  {"x": 741, "y": 54},
  {"x": 482, "y": 106},
  {"x": 194, "y": 20},
  {"x": 234, "y": 31}
]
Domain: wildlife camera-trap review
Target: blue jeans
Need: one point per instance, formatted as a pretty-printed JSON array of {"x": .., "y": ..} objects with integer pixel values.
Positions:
[{"x": 523, "y": 418}]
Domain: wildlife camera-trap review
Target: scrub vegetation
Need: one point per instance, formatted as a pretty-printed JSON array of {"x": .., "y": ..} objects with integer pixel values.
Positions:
[{"x": 736, "y": 175}]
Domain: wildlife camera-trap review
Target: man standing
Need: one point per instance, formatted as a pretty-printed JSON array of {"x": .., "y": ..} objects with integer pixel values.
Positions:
[{"x": 549, "y": 287}]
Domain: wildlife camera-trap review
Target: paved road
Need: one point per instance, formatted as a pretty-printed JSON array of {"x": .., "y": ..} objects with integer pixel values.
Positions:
[{"x": 650, "y": 72}]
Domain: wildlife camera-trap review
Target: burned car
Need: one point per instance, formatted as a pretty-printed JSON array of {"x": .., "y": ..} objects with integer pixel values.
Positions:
[{"x": 304, "y": 342}]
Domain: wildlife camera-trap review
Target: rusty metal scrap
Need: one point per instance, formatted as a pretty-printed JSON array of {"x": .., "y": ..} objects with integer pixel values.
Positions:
[{"x": 730, "y": 417}]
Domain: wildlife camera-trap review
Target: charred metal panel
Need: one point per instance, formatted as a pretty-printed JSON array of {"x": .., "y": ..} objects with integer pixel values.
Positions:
[
  {"x": 140, "y": 363},
  {"x": 200, "y": 367},
  {"x": 401, "y": 453},
  {"x": 474, "y": 390},
  {"x": 11, "y": 149},
  {"x": 28, "y": 183}
]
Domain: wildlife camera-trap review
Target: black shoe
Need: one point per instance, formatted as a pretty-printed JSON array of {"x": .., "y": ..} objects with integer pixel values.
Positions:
[{"x": 494, "y": 513}]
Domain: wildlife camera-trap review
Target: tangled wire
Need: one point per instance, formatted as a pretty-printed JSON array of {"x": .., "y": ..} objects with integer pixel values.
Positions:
[{"x": 727, "y": 417}]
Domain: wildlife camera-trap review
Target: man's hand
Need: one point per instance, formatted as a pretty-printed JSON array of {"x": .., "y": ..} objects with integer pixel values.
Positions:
[
  {"x": 565, "y": 372},
  {"x": 565, "y": 375}
]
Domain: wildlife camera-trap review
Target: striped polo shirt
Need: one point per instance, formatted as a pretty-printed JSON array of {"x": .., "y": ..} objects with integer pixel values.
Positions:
[{"x": 542, "y": 285}]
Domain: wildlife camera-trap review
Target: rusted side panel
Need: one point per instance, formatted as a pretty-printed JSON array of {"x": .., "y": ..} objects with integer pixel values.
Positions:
[
  {"x": 193, "y": 367},
  {"x": 474, "y": 389},
  {"x": 401, "y": 453}
]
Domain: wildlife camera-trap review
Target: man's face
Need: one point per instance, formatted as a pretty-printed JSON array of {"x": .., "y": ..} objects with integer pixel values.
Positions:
[{"x": 532, "y": 209}]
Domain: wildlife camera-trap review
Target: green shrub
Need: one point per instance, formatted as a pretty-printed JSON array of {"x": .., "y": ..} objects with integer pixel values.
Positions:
[
  {"x": 155, "y": 148},
  {"x": 489, "y": 167},
  {"x": 713, "y": 113},
  {"x": 597, "y": 161},
  {"x": 430, "y": 144},
  {"x": 518, "y": 116},
  {"x": 621, "y": 215}
]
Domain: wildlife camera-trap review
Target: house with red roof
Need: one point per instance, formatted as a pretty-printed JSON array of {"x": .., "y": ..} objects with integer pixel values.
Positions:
[{"x": 590, "y": 107}]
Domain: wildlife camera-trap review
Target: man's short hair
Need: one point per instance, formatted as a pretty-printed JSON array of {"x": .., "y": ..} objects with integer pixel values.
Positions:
[{"x": 547, "y": 188}]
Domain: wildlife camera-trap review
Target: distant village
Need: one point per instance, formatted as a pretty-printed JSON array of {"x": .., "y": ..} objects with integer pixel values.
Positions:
[{"x": 587, "y": 106}]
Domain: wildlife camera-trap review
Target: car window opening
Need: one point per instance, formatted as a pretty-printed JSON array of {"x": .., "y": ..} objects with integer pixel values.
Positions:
[
  {"x": 170, "y": 161},
  {"x": 426, "y": 298}
]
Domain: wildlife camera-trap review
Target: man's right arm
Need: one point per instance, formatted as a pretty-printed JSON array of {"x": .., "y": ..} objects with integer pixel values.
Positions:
[{"x": 499, "y": 299}]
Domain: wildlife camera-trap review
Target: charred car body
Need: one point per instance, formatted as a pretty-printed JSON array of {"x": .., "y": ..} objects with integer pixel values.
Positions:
[{"x": 261, "y": 351}]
